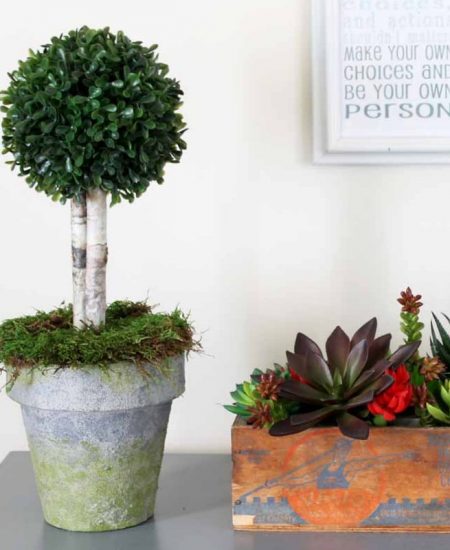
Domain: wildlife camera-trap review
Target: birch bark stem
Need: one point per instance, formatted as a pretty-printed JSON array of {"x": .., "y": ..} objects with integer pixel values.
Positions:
[
  {"x": 97, "y": 255},
  {"x": 78, "y": 226}
]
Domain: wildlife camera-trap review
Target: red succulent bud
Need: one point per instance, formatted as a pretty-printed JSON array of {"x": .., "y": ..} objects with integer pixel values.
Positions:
[
  {"x": 432, "y": 368},
  {"x": 268, "y": 386},
  {"x": 410, "y": 303},
  {"x": 261, "y": 415},
  {"x": 420, "y": 396}
]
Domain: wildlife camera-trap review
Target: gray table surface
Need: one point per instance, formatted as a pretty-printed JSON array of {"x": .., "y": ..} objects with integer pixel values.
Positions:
[{"x": 193, "y": 513}]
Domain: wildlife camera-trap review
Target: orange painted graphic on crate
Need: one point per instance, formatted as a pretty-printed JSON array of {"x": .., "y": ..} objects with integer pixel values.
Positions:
[{"x": 399, "y": 479}]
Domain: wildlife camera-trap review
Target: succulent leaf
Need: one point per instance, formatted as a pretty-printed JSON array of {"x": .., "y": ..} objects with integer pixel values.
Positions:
[
  {"x": 352, "y": 426},
  {"x": 297, "y": 363},
  {"x": 379, "y": 348},
  {"x": 338, "y": 348},
  {"x": 366, "y": 332},
  {"x": 304, "y": 344},
  {"x": 437, "y": 414},
  {"x": 292, "y": 389},
  {"x": 318, "y": 372},
  {"x": 337, "y": 378},
  {"x": 356, "y": 362},
  {"x": 440, "y": 348},
  {"x": 313, "y": 416},
  {"x": 360, "y": 400},
  {"x": 445, "y": 395},
  {"x": 445, "y": 338},
  {"x": 441, "y": 351},
  {"x": 367, "y": 378},
  {"x": 438, "y": 401},
  {"x": 382, "y": 384},
  {"x": 249, "y": 389},
  {"x": 403, "y": 354},
  {"x": 432, "y": 345},
  {"x": 242, "y": 397},
  {"x": 284, "y": 427},
  {"x": 235, "y": 409}
]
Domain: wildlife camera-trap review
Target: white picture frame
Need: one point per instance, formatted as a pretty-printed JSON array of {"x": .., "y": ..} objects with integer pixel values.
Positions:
[{"x": 332, "y": 145}]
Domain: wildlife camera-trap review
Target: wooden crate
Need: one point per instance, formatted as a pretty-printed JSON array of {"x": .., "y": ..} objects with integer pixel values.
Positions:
[{"x": 319, "y": 480}]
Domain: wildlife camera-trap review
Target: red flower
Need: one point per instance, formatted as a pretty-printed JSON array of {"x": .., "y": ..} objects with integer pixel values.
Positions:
[{"x": 396, "y": 398}]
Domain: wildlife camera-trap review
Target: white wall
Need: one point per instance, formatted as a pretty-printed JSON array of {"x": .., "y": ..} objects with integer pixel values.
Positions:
[{"x": 246, "y": 234}]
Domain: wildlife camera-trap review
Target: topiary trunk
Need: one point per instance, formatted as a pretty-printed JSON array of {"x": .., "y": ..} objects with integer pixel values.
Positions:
[
  {"x": 96, "y": 257},
  {"x": 78, "y": 219}
]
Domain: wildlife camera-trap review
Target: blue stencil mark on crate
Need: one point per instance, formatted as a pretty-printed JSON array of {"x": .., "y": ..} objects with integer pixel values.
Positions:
[
  {"x": 255, "y": 456},
  {"x": 442, "y": 442},
  {"x": 407, "y": 512},
  {"x": 271, "y": 510}
]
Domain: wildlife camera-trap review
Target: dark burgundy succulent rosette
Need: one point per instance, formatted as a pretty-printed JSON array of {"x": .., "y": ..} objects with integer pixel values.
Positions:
[{"x": 341, "y": 386}]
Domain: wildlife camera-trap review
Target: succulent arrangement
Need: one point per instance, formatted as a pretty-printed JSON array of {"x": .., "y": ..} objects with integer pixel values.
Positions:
[{"x": 359, "y": 382}]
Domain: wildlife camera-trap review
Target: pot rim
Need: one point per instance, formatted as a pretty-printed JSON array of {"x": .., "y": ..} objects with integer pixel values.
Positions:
[{"x": 122, "y": 386}]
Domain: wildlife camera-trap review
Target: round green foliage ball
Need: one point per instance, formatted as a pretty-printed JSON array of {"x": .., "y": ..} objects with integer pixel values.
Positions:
[{"x": 92, "y": 110}]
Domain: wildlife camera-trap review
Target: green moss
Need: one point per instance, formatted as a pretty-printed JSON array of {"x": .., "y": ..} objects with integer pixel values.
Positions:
[{"x": 132, "y": 333}]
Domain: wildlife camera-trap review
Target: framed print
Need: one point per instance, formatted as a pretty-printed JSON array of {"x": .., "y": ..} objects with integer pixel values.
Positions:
[{"x": 381, "y": 81}]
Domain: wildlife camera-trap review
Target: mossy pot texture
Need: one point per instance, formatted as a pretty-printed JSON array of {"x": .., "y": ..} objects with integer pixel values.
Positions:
[{"x": 96, "y": 438}]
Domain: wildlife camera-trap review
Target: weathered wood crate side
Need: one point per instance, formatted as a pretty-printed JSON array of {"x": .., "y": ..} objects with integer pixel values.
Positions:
[{"x": 398, "y": 480}]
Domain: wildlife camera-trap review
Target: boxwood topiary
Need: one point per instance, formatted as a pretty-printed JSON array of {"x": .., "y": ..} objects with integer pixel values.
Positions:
[
  {"x": 92, "y": 109},
  {"x": 90, "y": 115}
]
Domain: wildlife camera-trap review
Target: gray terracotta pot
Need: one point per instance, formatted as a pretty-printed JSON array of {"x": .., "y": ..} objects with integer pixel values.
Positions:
[{"x": 96, "y": 438}]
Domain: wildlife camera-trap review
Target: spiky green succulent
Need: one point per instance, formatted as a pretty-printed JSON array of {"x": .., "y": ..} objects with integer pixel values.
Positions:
[
  {"x": 342, "y": 385},
  {"x": 440, "y": 410},
  {"x": 257, "y": 401},
  {"x": 440, "y": 346}
]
